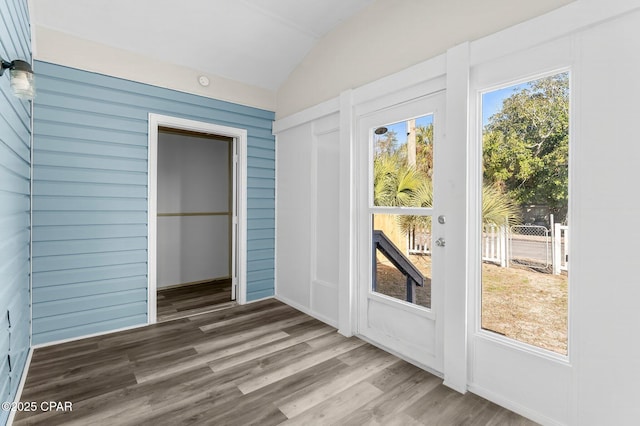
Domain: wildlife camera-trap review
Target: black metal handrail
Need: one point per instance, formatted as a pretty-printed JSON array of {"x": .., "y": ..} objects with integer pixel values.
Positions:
[{"x": 383, "y": 244}]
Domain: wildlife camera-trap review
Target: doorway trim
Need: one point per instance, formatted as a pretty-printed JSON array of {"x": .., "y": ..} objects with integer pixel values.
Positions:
[{"x": 240, "y": 136}]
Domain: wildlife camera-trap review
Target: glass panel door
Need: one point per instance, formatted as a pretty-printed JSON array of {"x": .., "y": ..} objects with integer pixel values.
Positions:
[{"x": 399, "y": 299}]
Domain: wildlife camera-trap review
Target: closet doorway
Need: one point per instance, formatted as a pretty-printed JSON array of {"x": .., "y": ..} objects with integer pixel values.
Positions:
[{"x": 194, "y": 230}]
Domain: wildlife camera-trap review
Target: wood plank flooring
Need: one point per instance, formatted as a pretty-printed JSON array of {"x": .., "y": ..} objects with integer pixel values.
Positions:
[
  {"x": 263, "y": 363},
  {"x": 193, "y": 299}
]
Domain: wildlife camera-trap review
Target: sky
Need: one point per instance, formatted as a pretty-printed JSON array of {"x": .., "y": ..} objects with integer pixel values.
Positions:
[
  {"x": 401, "y": 127},
  {"x": 492, "y": 101}
]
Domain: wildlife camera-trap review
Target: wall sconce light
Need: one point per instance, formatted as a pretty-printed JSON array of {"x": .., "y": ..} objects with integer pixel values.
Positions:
[{"x": 22, "y": 82}]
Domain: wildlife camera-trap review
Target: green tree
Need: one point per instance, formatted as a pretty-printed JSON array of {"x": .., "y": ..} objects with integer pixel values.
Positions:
[
  {"x": 526, "y": 145},
  {"x": 424, "y": 149}
]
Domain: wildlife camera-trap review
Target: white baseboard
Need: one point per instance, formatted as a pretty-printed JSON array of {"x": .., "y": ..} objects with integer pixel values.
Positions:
[
  {"x": 87, "y": 336},
  {"x": 399, "y": 355},
  {"x": 459, "y": 389},
  {"x": 307, "y": 311},
  {"x": 248, "y": 302},
  {"x": 514, "y": 406}
]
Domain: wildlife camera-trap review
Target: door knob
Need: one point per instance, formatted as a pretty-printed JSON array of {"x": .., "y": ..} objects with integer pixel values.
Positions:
[{"x": 440, "y": 242}]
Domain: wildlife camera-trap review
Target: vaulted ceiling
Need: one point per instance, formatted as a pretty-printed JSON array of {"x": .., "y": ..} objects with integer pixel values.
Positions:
[{"x": 258, "y": 42}]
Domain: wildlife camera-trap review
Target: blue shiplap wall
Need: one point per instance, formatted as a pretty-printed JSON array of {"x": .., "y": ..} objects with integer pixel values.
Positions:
[
  {"x": 15, "y": 169},
  {"x": 90, "y": 197}
]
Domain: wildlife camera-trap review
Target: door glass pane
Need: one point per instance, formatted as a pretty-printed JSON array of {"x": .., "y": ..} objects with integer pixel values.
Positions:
[
  {"x": 402, "y": 257},
  {"x": 403, "y": 163},
  {"x": 525, "y": 198}
]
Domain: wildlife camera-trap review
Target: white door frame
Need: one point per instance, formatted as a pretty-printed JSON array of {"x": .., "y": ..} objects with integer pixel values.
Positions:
[
  {"x": 423, "y": 349},
  {"x": 240, "y": 193}
]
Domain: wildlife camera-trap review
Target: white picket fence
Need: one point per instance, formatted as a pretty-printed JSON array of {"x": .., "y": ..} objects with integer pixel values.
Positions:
[
  {"x": 419, "y": 241},
  {"x": 529, "y": 245},
  {"x": 495, "y": 243},
  {"x": 560, "y": 248}
]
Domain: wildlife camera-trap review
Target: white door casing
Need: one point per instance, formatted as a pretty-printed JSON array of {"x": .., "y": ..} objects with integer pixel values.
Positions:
[
  {"x": 239, "y": 265},
  {"x": 235, "y": 171}
]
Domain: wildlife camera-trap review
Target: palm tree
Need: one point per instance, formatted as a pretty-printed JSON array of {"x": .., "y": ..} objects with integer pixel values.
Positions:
[
  {"x": 395, "y": 184},
  {"x": 422, "y": 196},
  {"x": 498, "y": 207}
]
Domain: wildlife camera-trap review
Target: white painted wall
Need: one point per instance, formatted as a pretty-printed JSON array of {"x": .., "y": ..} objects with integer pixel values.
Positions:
[
  {"x": 606, "y": 282},
  {"x": 193, "y": 177},
  {"x": 307, "y": 220},
  {"x": 64, "y": 49},
  {"x": 391, "y": 35}
]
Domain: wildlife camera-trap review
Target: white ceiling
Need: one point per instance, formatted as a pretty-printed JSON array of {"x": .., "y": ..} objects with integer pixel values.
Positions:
[{"x": 258, "y": 42}]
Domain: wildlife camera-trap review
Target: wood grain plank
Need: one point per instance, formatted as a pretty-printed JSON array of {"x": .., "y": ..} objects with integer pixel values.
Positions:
[
  {"x": 196, "y": 359},
  {"x": 252, "y": 352},
  {"x": 399, "y": 394},
  {"x": 368, "y": 361},
  {"x": 275, "y": 391},
  {"x": 263, "y": 363},
  {"x": 311, "y": 358},
  {"x": 170, "y": 315},
  {"x": 239, "y": 311},
  {"x": 225, "y": 322},
  {"x": 437, "y": 405},
  {"x": 332, "y": 410}
]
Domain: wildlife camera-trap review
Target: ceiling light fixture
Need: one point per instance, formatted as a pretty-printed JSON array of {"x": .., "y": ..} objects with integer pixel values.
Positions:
[{"x": 21, "y": 75}]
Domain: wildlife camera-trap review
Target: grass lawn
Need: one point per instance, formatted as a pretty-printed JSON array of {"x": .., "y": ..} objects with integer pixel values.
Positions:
[
  {"x": 519, "y": 303},
  {"x": 526, "y": 305}
]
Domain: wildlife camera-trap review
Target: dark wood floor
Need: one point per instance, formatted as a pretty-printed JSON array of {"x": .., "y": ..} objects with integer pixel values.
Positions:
[
  {"x": 264, "y": 363},
  {"x": 193, "y": 299}
]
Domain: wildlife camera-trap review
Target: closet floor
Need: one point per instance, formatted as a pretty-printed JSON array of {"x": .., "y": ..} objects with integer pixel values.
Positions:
[{"x": 193, "y": 299}]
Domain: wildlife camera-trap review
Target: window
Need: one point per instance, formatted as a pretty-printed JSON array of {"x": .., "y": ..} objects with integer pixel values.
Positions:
[
  {"x": 403, "y": 178},
  {"x": 525, "y": 195}
]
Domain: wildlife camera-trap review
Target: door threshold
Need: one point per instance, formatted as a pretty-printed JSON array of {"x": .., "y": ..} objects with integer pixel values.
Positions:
[{"x": 196, "y": 312}]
